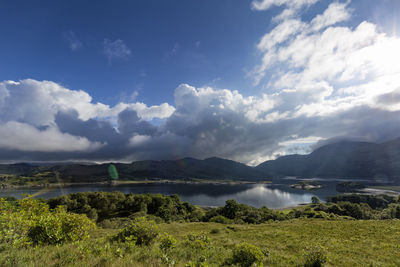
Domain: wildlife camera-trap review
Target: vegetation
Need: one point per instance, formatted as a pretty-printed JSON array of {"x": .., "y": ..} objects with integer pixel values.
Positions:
[
  {"x": 100, "y": 206},
  {"x": 246, "y": 255},
  {"x": 37, "y": 179},
  {"x": 116, "y": 210},
  {"x": 349, "y": 187},
  {"x": 140, "y": 232},
  {"x": 156, "y": 230},
  {"x": 31, "y": 222},
  {"x": 307, "y": 185},
  {"x": 283, "y": 243}
]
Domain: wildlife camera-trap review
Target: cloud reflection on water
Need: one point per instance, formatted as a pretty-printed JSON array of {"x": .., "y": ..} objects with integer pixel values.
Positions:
[{"x": 257, "y": 196}]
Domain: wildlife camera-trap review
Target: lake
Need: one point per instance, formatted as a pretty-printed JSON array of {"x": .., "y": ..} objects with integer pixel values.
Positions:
[{"x": 274, "y": 196}]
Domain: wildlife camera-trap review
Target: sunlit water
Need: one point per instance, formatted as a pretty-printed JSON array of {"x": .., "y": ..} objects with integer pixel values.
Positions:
[{"x": 275, "y": 196}]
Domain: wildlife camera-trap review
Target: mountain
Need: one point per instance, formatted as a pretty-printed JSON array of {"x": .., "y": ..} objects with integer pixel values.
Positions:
[
  {"x": 211, "y": 168},
  {"x": 16, "y": 169},
  {"x": 353, "y": 160}
]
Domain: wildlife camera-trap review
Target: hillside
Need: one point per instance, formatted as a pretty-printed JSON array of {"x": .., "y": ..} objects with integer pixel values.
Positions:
[
  {"x": 350, "y": 160},
  {"x": 356, "y": 160},
  {"x": 187, "y": 168}
]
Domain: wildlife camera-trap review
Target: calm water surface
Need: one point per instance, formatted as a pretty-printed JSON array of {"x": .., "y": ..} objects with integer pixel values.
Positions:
[{"x": 275, "y": 196}]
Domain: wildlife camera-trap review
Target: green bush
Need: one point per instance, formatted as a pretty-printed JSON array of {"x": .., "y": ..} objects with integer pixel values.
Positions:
[
  {"x": 142, "y": 231},
  {"x": 32, "y": 222},
  {"x": 246, "y": 255},
  {"x": 59, "y": 226},
  {"x": 197, "y": 240},
  {"x": 167, "y": 242},
  {"x": 315, "y": 257}
]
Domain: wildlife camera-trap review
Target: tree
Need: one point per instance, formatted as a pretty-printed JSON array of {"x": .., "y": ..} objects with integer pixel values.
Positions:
[{"x": 315, "y": 200}]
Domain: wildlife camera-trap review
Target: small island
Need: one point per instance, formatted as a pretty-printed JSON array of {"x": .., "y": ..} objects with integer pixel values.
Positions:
[{"x": 307, "y": 185}]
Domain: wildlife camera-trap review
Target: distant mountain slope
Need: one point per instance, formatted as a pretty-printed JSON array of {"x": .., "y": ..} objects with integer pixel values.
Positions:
[
  {"x": 16, "y": 169},
  {"x": 357, "y": 160},
  {"x": 351, "y": 160},
  {"x": 211, "y": 168}
]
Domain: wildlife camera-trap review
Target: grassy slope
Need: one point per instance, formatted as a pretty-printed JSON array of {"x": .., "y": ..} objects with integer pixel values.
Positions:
[{"x": 348, "y": 243}]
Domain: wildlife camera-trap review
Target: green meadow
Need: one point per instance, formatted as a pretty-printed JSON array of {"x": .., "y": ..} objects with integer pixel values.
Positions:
[
  {"x": 115, "y": 229},
  {"x": 284, "y": 243}
]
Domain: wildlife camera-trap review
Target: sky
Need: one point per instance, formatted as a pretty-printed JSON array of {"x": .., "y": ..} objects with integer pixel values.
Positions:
[{"x": 247, "y": 80}]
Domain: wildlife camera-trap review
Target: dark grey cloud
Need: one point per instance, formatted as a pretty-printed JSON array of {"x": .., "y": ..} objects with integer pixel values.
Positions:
[{"x": 206, "y": 122}]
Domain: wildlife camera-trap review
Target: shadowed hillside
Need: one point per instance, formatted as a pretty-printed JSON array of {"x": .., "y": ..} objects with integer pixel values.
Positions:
[
  {"x": 358, "y": 160},
  {"x": 350, "y": 160}
]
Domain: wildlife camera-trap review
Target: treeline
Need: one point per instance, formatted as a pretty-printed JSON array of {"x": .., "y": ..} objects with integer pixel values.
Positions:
[
  {"x": 363, "y": 207},
  {"x": 102, "y": 206},
  {"x": 114, "y": 210}
]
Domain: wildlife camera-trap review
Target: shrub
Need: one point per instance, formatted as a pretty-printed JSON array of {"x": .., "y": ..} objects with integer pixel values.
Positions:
[
  {"x": 31, "y": 222},
  {"x": 246, "y": 255},
  {"x": 142, "y": 231},
  {"x": 315, "y": 200},
  {"x": 197, "y": 241},
  {"x": 167, "y": 243},
  {"x": 315, "y": 257},
  {"x": 60, "y": 226}
]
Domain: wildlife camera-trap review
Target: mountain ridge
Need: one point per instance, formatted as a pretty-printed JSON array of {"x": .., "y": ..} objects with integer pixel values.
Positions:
[{"x": 344, "y": 159}]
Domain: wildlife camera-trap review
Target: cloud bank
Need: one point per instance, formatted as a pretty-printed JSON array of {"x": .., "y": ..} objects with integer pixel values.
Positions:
[{"x": 320, "y": 79}]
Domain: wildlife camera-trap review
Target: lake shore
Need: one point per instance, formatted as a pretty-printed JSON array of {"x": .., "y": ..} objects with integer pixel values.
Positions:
[
  {"x": 378, "y": 191},
  {"x": 127, "y": 182}
]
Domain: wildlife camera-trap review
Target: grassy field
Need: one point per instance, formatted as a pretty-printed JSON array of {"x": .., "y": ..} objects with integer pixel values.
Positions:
[{"x": 285, "y": 243}]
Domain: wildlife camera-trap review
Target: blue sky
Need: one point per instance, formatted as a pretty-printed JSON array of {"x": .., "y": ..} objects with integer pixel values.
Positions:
[
  {"x": 78, "y": 67},
  {"x": 171, "y": 42}
]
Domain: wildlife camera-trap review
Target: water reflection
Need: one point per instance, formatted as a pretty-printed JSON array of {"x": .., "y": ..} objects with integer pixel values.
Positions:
[{"x": 256, "y": 196}]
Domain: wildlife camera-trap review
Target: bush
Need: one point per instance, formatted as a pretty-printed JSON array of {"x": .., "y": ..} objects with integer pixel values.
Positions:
[
  {"x": 315, "y": 257},
  {"x": 32, "y": 222},
  {"x": 197, "y": 241},
  {"x": 246, "y": 255},
  {"x": 167, "y": 243},
  {"x": 315, "y": 200},
  {"x": 59, "y": 227},
  {"x": 142, "y": 231}
]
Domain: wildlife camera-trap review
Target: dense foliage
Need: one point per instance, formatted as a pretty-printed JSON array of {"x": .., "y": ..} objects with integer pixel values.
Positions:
[
  {"x": 100, "y": 206},
  {"x": 349, "y": 187},
  {"x": 31, "y": 222},
  {"x": 115, "y": 210},
  {"x": 140, "y": 232},
  {"x": 246, "y": 255}
]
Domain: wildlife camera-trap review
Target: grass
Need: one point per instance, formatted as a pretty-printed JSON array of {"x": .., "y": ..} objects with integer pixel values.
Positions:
[{"x": 346, "y": 242}]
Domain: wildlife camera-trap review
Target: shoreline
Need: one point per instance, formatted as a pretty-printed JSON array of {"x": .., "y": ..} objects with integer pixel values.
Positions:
[{"x": 131, "y": 182}]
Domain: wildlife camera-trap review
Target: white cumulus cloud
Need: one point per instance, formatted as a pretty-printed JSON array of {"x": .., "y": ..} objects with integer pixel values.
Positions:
[{"x": 24, "y": 137}]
